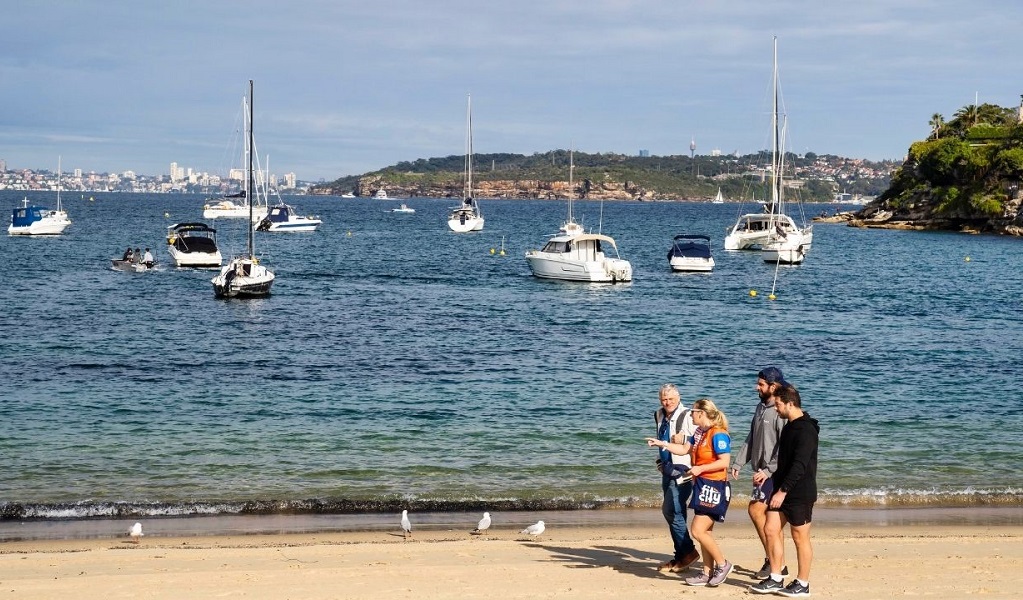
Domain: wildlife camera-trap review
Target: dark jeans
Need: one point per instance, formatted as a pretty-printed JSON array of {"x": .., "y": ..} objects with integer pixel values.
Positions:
[{"x": 676, "y": 496}]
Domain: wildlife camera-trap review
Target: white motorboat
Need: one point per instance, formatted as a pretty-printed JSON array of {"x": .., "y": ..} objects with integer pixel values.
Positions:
[
  {"x": 30, "y": 219},
  {"x": 244, "y": 276},
  {"x": 193, "y": 245},
  {"x": 404, "y": 209},
  {"x": 580, "y": 257},
  {"x": 347, "y": 195},
  {"x": 756, "y": 231},
  {"x": 282, "y": 217},
  {"x": 691, "y": 253},
  {"x": 381, "y": 194},
  {"x": 468, "y": 216},
  {"x": 573, "y": 255}
]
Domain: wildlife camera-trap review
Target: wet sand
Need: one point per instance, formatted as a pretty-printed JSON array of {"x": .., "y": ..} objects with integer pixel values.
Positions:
[{"x": 859, "y": 554}]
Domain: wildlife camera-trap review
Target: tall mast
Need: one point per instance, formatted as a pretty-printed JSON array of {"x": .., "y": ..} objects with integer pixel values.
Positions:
[
  {"x": 775, "y": 176},
  {"x": 58, "y": 182},
  {"x": 468, "y": 147},
  {"x": 250, "y": 184}
]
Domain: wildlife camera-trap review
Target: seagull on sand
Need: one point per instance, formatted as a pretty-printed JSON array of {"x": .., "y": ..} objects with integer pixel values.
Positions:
[
  {"x": 135, "y": 532},
  {"x": 534, "y": 529},
  {"x": 406, "y": 525},
  {"x": 483, "y": 525}
]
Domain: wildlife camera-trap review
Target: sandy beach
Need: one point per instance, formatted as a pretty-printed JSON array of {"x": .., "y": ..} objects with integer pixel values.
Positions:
[{"x": 856, "y": 558}]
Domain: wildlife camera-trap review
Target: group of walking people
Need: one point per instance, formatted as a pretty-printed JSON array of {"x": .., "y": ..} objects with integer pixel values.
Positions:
[{"x": 695, "y": 460}]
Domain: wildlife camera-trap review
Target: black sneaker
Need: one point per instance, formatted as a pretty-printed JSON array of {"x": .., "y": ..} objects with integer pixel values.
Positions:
[
  {"x": 767, "y": 586},
  {"x": 765, "y": 571},
  {"x": 795, "y": 589}
]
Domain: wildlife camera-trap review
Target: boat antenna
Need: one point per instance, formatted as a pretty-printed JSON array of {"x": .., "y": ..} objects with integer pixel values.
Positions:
[{"x": 249, "y": 183}]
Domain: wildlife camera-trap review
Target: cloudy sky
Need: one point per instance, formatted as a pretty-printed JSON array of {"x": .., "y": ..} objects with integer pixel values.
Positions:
[{"x": 343, "y": 86}]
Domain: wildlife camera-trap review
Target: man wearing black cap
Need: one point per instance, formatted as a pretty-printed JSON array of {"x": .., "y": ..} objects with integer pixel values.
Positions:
[{"x": 761, "y": 450}]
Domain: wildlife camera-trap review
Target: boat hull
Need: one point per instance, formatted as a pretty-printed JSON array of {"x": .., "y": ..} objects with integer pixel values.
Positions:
[
  {"x": 230, "y": 210},
  {"x": 691, "y": 265},
  {"x": 118, "y": 264},
  {"x": 301, "y": 225},
  {"x": 459, "y": 225},
  {"x": 195, "y": 259},
  {"x": 609, "y": 270}
]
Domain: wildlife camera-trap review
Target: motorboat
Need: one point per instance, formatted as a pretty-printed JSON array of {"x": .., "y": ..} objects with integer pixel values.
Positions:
[
  {"x": 691, "y": 253},
  {"x": 282, "y": 217},
  {"x": 381, "y": 194},
  {"x": 347, "y": 195},
  {"x": 580, "y": 257},
  {"x": 193, "y": 245},
  {"x": 131, "y": 266},
  {"x": 31, "y": 219},
  {"x": 467, "y": 216},
  {"x": 404, "y": 209},
  {"x": 233, "y": 206},
  {"x": 757, "y": 231},
  {"x": 244, "y": 276}
]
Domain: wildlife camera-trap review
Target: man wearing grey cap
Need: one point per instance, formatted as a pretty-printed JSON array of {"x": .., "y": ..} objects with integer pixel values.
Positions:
[{"x": 761, "y": 450}]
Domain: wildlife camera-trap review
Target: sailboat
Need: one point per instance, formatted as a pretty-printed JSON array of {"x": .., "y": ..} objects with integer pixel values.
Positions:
[
  {"x": 244, "y": 276},
  {"x": 31, "y": 219},
  {"x": 772, "y": 227},
  {"x": 573, "y": 255},
  {"x": 468, "y": 216},
  {"x": 719, "y": 199},
  {"x": 237, "y": 205}
]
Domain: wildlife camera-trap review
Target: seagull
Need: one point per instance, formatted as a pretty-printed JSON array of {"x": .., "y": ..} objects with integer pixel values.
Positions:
[
  {"x": 136, "y": 532},
  {"x": 535, "y": 529},
  {"x": 483, "y": 525},
  {"x": 406, "y": 525}
]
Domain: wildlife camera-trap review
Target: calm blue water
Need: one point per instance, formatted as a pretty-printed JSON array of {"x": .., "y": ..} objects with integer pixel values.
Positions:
[{"x": 397, "y": 363}]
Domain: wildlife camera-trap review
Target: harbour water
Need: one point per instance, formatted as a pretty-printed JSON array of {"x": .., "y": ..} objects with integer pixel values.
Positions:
[{"x": 398, "y": 364}]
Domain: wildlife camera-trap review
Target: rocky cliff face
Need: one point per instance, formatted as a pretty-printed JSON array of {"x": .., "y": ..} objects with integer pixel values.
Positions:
[
  {"x": 607, "y": 189},
  {"x": 922, "y": 213}
]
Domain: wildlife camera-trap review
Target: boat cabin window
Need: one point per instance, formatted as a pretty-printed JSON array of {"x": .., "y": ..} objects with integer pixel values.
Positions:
[{"x": 556, "y": 247}]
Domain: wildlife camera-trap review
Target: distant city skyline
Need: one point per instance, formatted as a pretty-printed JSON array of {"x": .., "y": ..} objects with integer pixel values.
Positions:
[{"x": 345, "y": 87}]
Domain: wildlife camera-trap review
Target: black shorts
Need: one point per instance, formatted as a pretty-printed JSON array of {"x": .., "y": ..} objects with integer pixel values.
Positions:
[
  {"x": 762, "y": 492},
  {"x": 796, "y": 513}
]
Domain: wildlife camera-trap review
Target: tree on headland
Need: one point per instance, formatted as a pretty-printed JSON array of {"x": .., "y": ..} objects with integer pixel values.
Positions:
[
  {"x": 937, "y": 122},
  {"x": 967, "y": 173}
]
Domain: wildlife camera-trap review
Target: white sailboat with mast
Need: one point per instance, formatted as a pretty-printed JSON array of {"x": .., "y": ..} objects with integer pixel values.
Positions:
[
  {"x": 756, "y": 231},
  {"x": 244, "y": 276},
  {"x": 468, "y": 216},
  {"x": 238, "y": 205}
]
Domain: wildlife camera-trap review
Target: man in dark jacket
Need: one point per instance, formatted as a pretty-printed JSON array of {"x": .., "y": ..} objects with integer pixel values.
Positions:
[
  {"x": 760, "y": 450},
  {"x": 795, "y": 491}
]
